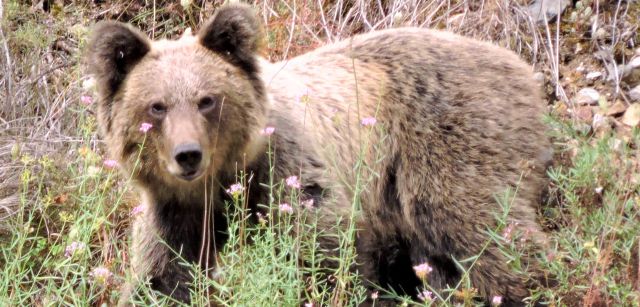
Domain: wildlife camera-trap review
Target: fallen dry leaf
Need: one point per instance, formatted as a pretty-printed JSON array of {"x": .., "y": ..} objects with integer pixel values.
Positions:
[
  {"x": 617, "y": 108},
  {"x": 634, "y": 93},
  {"x": 632, "y": 116},
  {"x": 61, "y": 199},
  {"x": 560, "y": 108}
]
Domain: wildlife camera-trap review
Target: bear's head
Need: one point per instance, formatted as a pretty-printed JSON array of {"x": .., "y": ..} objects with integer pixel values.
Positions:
[{"x": 202, "y": 94}]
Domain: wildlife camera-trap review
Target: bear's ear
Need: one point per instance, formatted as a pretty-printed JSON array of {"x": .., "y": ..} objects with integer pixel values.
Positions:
[
  {"x": 114, "y": 49},
  {"x": 234, "y": 33}
]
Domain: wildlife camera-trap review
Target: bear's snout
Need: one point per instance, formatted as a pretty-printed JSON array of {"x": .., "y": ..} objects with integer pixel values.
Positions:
[{"x": 188, "y": 156}]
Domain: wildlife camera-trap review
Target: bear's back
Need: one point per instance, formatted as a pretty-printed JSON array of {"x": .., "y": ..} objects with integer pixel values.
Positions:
[{"x": 468, "y": 107}]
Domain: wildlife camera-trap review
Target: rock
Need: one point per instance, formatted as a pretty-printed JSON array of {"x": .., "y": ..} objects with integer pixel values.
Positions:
[
  {"x": 593, "y": 75},
  {"x": 617, "y": 108},
  {"x": 634, "y": 93},
  {"x": 583, "y": 113},
  {"x": 631, "y": 117},
  {"x": 587, "y": 96},
  {"x": 631, "y": 71},
  {"x": 615, "y": 71},
  {"x": 634, "y": 63},
  {"x": 547, "y": 10}
]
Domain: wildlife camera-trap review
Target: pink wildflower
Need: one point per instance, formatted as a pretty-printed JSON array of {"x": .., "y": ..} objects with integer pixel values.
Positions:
[
  {"x": 137, "y": 210},
  {"x": 374, "y": 295},
  {"x": 235, "y": 189},
  {"x": 144, "y": 127},
  {"x": 422, "y": 270},
  {"x": 307, "y": 203},
  {"x": 285, "y": 208},
  {"x": 426, "y": 296},
  {"x": 308, "y": 305},
  {"x": 526, "y": 235},
  {"x": 73, "y": 248},
  {"x": 551, "y": 256},
  {"x": 101, "y": 275},
  {"x": 508, "y": 232},
  {"x": 496, "y": 300},
  {"x": 368, "y": 121},
  {"x": 110, "y": 163},
  {"x": 267, "y": 131},
  {"x": 293, "y": 182},
  {"x": 86, "y": 100}
]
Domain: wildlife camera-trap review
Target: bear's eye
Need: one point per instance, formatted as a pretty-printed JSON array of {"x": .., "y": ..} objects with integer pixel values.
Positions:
[
  {"x": 207, "y": 103},
  {"x": 158, "y": 110}
]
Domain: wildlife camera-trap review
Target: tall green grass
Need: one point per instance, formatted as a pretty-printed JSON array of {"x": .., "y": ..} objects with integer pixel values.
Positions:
[{"x": 69, "y": 244}]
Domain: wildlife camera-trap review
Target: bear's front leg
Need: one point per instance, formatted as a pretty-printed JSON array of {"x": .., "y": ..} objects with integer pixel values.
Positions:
[
  {"x": 163, "y": 239},
  {"x": 153, "y": 261}
]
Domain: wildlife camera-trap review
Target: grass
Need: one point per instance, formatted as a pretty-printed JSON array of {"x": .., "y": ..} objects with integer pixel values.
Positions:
[
  {"x": 55, "y": 189},
  {"x": 598, "y": 231}
]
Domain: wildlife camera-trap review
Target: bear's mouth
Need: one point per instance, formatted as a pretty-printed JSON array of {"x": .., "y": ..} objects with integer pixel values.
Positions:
[{"x": 191, "y": 175}]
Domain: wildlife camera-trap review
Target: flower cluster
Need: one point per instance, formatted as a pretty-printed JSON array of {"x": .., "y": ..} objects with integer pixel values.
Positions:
[
  {"x": 496, "y": 300},
  {"x": 307, "y": 203},
  {"x": 144, "y": 127},
  {"x": 285, "y": 208},
  {"x": 422, "y": 270},
  {"x": 74, "y": 248},
  {"x": 101, "y": 275},
  {"x": 293, "y": 182},
  {"x": 267, "y": 131},
  {"x": 235, "y": 190},
  {"x": 507, "y": 234},
  {"x": 86, "y": 100},
  {"x": 304, "y": 97},
  {"x": 425, "y": 296},
  {"x": 368, "y": 121},
  {"x": 137, "y": 210},
  {"x": 110, "y": 163}
]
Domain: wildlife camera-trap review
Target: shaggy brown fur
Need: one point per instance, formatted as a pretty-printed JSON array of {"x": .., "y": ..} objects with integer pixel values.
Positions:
[{"x": 458, "y": 122}]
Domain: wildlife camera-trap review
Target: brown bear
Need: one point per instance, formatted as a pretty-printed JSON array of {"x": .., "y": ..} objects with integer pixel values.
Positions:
[{"x": 442, "y": 123}]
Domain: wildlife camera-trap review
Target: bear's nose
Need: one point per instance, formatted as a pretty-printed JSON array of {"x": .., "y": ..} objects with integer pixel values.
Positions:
[{"x": 188, "y": 157}]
